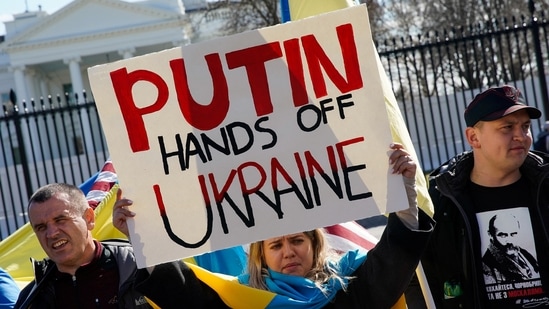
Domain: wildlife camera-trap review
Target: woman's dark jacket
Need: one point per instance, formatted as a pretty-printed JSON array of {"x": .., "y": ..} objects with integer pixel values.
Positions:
[{"x": 378, "y": 283}]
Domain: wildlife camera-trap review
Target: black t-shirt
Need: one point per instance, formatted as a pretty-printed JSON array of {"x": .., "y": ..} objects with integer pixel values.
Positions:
[{"x": 509, "y": 254}]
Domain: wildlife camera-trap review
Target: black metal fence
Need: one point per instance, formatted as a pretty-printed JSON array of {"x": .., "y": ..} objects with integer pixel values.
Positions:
[
  {"x": 433, "y": 76},
  {"x": 50, "y": 140}
]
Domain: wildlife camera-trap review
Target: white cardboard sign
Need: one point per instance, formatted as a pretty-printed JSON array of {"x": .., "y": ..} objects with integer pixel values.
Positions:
[{"x": 250, "y": 136}]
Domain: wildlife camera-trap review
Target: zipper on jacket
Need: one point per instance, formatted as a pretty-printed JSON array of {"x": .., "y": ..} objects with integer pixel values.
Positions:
[{"x": 75, "y": 286}]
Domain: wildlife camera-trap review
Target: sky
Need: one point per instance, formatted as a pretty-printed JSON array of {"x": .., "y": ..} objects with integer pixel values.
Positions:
[{"x": 10, "y": 7}]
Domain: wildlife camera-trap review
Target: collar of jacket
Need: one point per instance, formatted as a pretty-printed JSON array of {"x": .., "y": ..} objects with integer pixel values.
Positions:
[{"x": 455, "y": 173}]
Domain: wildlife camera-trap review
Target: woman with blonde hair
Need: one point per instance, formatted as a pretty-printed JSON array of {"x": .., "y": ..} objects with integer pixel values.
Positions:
[
  {"x": 302, "y": 269},
  {"x": 319, "y": 272}
]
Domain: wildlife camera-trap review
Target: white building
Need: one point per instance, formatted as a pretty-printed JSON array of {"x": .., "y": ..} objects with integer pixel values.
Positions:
[{"x": 46, "y": 54}]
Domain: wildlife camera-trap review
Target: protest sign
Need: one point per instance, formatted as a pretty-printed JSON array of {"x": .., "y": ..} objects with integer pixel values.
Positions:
[{"x": 250, "y": 136}]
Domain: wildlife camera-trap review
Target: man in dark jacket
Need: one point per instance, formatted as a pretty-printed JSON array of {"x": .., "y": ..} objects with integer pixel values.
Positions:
[
  {"x": 79, "y": 272},
  {"x": 500, "y": 176}
]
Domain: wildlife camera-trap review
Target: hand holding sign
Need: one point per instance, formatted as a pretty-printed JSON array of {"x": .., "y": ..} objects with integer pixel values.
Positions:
[{"x": 247, "y": 137}]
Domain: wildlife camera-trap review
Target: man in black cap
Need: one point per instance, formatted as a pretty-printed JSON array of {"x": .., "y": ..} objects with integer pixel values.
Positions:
[{"x": 497, "y": 177}]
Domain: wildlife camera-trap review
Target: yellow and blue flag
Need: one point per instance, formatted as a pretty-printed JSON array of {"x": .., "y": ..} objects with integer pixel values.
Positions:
[{"x": 299, "y": 9}]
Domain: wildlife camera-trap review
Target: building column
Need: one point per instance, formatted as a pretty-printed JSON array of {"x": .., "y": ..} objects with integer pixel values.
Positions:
[
  {"x": 24, "y": 131},
  {"x": 76, "y": 76},
  {"x": 30, "y": 81},
  {"x": 44, "y": 89},
  {"x": 20, "y": 86},
  {"x": 78, "y": 87}
]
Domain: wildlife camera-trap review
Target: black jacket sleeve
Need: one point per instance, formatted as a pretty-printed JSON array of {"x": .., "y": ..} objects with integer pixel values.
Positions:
[
  {"x": 24, "y": 294},
  {"x": 174, "y": 285},
  {"x": 378, "y": 283},
  {"x": 389, "y": 266}
]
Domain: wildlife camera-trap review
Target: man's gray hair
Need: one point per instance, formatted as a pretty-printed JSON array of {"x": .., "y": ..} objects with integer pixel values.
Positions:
[{"x": 76, "y": 196}]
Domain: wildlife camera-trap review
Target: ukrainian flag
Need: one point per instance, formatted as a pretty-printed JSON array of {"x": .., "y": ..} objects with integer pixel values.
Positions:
[{"x": 299, "y": 9}]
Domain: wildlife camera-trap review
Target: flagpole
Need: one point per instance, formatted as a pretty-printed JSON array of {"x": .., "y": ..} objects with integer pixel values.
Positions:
[{"x": 427, "y": 296}]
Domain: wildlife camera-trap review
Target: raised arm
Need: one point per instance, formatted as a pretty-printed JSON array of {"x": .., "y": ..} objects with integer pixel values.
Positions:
[{"x": 404, "y": 164}]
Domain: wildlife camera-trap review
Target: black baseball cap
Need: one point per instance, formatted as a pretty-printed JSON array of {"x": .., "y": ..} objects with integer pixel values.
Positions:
[{"x": 495, "y": 103}]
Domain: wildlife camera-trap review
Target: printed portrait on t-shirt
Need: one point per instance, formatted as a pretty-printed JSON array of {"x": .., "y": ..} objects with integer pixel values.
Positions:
[
  {"x": 509, "y": 258},
  {"x": 507, "y": 245}
]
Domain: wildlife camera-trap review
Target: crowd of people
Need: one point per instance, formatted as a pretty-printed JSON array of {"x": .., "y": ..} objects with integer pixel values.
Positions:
[{"x": 485, "y": 246}]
